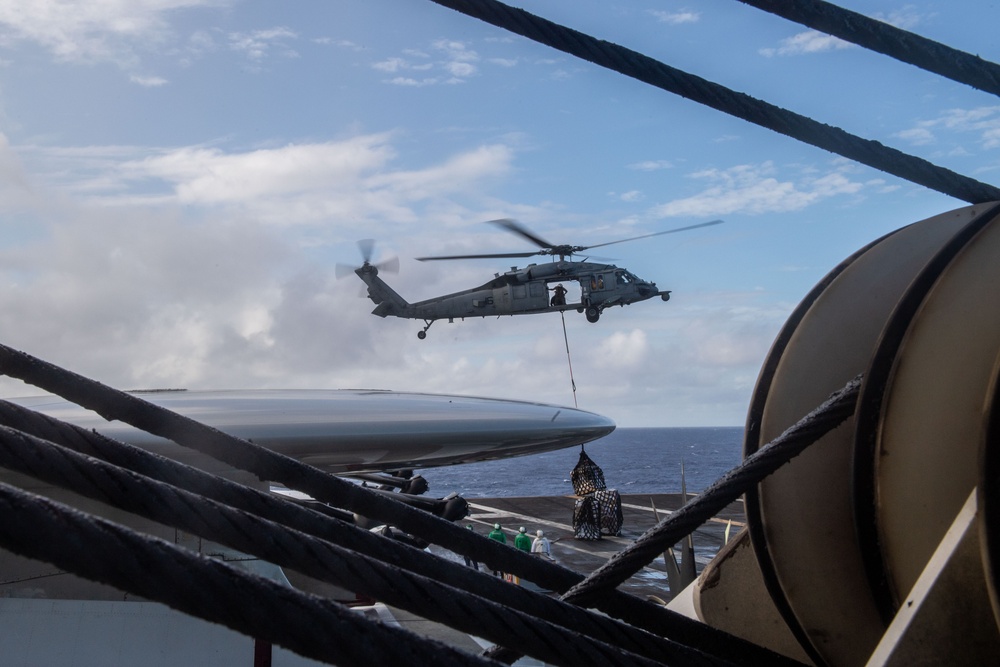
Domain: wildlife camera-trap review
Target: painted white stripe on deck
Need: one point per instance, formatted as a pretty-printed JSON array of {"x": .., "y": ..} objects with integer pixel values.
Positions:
[
  {"x": 659, "y": 511},
  {"x": 494, "y": 513}
]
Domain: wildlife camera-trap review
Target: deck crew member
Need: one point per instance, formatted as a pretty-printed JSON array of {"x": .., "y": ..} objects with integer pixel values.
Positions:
[
  {"x": 498, "y": 535},
  {"x": 541, "y": 545},
  {"x": 474, "y": 564},
  {"x": 522, "y": 541}
]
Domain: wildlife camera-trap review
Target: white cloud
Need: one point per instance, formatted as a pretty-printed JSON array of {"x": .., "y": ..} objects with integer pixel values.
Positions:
[
  {"x": 651, "y": 165},
  {"x": 257, "y": 45},
  {"x": 456, "y": 51},
  {"x": 342, "y": 43},
  {"x": 454, "y": 60},
  {"x": 198, "y": 287},
  {"x": 390, "y": 65},
  {"x": 199, "y": 43},
  {"x": 753, "y": 189},
  {"x": 623, "y": 350},
  {"x": 288, "y": 185},
  {"x": 16, "y": 190},
  {"x": 411, "y": 82},
  {"x": 93, "y": 31},
  {"x": 952, "y": 123},
  {"x": 917, "y": 136},
  {"x": 811, "y": 41},
  {"x": 814, "y": 41},
  {"x": 676, "y": 18},
  {"x": 194, "y": 288},
  {"x": 210, "y": 176},
  {"x": 148, "y": 81},
  {"x": 905, "y": 18},
  {"x": 166, "y": 297},
  {"x": 460, "y": 69}
]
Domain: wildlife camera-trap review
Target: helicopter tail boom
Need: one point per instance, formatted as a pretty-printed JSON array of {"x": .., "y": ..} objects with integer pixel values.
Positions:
[{"x": 387, "y": 301}]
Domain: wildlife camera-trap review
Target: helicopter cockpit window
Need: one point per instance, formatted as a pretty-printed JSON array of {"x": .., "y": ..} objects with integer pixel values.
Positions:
[{"x": 623, "y": 278}]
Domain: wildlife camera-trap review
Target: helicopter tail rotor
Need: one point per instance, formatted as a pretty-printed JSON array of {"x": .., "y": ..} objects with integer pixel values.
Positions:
[
  {"x": 390, "y": 265},
  {"x": 342, "y": 270},
  {"x": 367, "y": 248}
]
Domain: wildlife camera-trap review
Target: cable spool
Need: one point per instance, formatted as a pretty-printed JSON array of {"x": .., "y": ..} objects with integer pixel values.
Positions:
[
  {"x": 920, "y": 420},
  {"x": 988, "y": 494},
  {"x": 804, "y": 520}
]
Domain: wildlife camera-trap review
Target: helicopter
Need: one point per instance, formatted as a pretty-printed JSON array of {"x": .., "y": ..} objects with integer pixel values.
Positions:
[{"x": 522, "y": 291}]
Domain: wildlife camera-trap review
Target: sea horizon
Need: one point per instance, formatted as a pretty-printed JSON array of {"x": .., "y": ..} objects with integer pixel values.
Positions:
[{"x": 633, "y": 460}]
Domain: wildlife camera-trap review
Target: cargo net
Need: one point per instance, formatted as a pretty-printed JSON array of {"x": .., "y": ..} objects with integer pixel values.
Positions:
[
  {"x": 587, "y": 476},
  {"x": 597, "y": 514}
]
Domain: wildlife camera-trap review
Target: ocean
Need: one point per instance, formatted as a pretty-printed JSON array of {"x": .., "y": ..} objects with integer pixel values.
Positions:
[{"x": 634, "y": 460}]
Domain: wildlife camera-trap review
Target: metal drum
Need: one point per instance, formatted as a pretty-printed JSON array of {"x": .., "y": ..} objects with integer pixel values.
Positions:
[
  {"x": 802, "y": 519},
  {"x": 920, "y": 423},
  {"x": 988, "y": 494}
]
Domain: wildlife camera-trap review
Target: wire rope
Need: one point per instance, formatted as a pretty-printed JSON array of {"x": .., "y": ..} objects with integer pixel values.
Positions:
[{"x": 638, "y": 66}]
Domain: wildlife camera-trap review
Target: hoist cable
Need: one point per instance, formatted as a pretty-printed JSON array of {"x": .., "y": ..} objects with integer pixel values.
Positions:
[{"x": 569, "y": 360}]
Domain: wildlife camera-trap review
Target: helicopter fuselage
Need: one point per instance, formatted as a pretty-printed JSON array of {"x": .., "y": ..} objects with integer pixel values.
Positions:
[{"x": 520, "y": 292}]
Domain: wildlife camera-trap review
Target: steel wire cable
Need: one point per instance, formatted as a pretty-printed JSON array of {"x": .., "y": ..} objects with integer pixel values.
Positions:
[
  {"x": 425, "y": 596},
  {"x": 114, "y": 404},
  {"x": 336, "y": 531},
  {"x": 647, "y": 547},
  {"x": 679, "y": 521},
  {"x": 889, "y": 40},
  {"x": 266, "y": 464},
  {"x": 805, "y": 129},
  {"x": 209, "y": 589},
  {"x": 727, "y": 488}
]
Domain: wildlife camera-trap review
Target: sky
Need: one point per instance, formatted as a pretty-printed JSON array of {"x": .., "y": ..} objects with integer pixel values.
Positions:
[{"x": 180, "y": 178}]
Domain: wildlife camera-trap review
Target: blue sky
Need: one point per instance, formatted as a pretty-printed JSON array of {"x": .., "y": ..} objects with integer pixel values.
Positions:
[{"x": 179, "y": 178}]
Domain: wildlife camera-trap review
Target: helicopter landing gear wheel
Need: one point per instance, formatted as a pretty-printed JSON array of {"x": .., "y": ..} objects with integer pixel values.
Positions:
[
  {"x": 423, "y": 333},
  {"x": 593, "y": 313},
  {"x": 665, "y": 296}
]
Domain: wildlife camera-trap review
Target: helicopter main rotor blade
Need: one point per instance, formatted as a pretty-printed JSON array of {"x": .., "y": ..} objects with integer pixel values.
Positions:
[
  {"x": 520, "y": 230},
  {"x": 646, "y": 236},
  {"x": 506, "y": 254}
]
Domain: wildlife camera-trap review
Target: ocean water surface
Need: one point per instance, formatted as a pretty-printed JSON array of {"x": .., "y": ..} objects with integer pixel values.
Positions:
[{"x": 634, "y": 460}]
